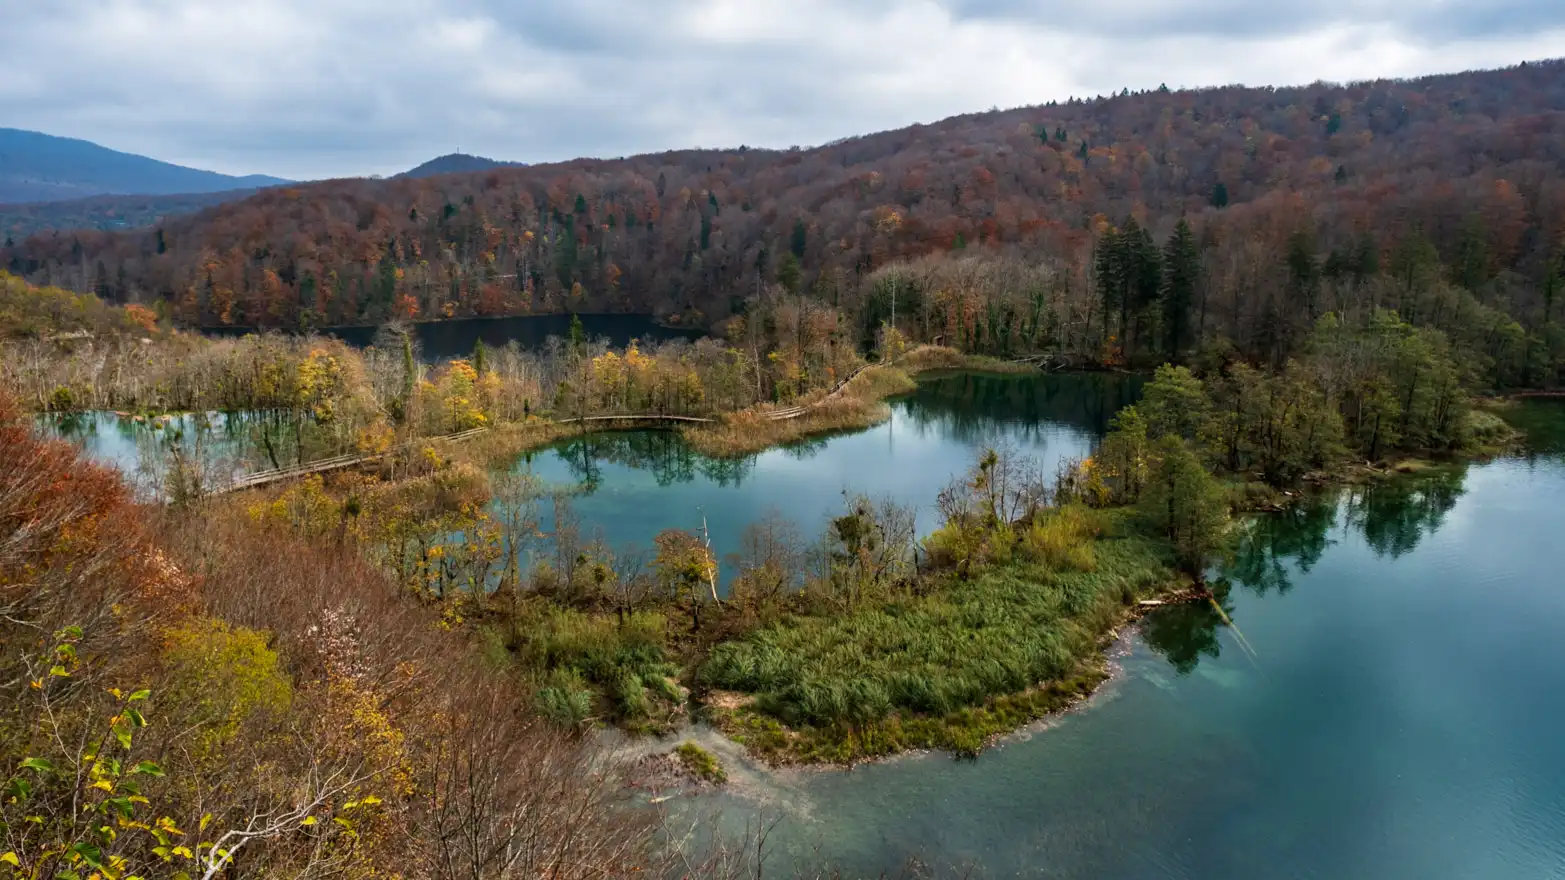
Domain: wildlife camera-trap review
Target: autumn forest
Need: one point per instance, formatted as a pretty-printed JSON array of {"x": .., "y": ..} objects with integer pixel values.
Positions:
[
  {"x": 403, "y": 652},
  {"x": 1439, "y": 197}
]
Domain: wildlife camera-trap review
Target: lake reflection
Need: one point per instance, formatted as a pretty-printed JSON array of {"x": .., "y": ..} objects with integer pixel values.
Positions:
[
  {"x": 1395, "y": 715},
  {"x": 634, "y": 484},
  {"x": 224, "y": 444}
]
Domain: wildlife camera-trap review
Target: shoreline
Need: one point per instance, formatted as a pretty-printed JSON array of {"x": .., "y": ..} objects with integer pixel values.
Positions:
[
  {"x": 859, "y": 403},
  {"x": 1004, "y": 715},
  {"x": 1059, "y": 697},
  {"x": 755, "y": 778}
]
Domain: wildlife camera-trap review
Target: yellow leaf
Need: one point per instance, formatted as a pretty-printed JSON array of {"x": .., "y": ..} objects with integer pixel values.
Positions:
[
  {"x": 308, "y": 820},
  {"x": 11, "y": 859}
]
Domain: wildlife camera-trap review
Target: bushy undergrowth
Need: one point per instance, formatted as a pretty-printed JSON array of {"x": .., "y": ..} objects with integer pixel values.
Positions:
[
  {"x": 586, "y": 659},
  {"x": 999, "y": 632}
]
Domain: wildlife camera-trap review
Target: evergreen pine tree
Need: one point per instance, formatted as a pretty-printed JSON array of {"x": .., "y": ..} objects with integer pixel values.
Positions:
[
  {"x": 1107, "y": 268},
  {"x": 1182, "y": 263},
  {"x": 1366, "y": 259},
  {"x": 1220, "y": 195},
  {"x": 1304, "y": 271},
  {"x": 578, "y": 334},
  {"x": 409, "y": 376},
  {"x": 1144, "y": 273},
  {"x": 800, "y": 238},
  {"x": 788, "y": 273}
]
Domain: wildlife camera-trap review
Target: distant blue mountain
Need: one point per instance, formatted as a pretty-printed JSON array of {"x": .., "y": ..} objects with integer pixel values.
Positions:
[{"x": 37, "y": 167}]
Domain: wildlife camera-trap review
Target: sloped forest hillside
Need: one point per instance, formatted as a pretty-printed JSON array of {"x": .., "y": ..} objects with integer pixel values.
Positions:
[{"x": 1441, "y": 197}]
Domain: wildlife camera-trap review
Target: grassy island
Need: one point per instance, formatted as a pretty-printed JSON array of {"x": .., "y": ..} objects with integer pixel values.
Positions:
[{"x": 951, "y": 662}]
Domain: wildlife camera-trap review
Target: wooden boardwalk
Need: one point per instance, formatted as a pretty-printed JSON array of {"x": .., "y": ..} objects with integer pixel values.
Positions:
[
  {"x": 635, "y": 417},
  {"x": 267, "y": 477}
]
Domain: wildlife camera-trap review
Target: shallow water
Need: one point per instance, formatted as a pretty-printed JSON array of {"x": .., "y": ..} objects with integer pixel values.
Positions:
[{"x": 227, "y": 444}]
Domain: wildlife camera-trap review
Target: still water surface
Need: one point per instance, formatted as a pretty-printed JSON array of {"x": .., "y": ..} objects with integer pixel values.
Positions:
[
  {"x": 1402, "y": 714},
  {"x": 637, "y": 483}
]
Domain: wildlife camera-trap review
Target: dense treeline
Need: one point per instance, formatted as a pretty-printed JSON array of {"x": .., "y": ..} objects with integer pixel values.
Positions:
[
  {"x": 1366, "y": 393},
  {"x": 1440, "y": 197},
  {"x": 64, "y": 351},
  {"x": 29, "y": 312},
  {"x": 107, "y": 213}
]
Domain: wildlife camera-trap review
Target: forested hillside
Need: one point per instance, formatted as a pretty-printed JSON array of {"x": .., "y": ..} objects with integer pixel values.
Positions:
[
  {"x": 1439, "y": 197},
  {"x": 456, "y": 163}
]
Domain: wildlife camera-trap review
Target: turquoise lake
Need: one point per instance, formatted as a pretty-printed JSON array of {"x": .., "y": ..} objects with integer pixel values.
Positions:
[
  {"x": 1401, "y": 716},
  {"x": 1399, "y": 711}
]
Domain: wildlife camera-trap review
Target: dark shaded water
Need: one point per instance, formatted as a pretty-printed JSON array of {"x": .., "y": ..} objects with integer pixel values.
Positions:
[{"x": 443, "y": 340}]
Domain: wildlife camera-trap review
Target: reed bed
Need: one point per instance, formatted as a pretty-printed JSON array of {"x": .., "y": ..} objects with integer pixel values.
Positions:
[{"x": 971, "y": 658}]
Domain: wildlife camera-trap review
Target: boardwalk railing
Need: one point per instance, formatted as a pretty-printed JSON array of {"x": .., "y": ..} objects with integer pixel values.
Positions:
[
  {"x": 775, "y": 415},
  {"x": 321, "y": 465},
  {"x": 634, "y": 417},
  {"x": 263, "y": 478}
]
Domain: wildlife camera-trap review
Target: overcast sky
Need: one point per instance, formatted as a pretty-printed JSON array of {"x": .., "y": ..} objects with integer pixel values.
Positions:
[{"x": 320, "y": 88}]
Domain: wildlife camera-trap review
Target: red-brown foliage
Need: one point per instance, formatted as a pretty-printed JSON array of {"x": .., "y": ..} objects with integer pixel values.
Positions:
[{"x": 686, "y": 232}]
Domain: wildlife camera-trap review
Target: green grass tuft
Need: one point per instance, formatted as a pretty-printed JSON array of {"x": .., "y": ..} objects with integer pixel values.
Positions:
[{"x": 700, "y": 762}]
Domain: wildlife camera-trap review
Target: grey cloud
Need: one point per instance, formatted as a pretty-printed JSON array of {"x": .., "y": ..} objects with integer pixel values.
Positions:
[
  {"x": 309, "y": 88},
  {"x": 1439, "y": 21}
]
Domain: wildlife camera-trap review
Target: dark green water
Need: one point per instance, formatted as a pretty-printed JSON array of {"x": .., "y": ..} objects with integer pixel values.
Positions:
[{"x": 1402, "y": 716}]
